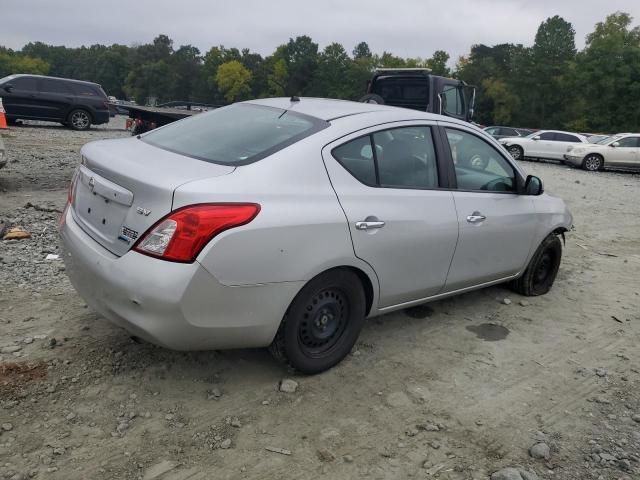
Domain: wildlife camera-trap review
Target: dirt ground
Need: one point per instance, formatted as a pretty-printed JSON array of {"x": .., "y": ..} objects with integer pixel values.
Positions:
[{"x": 455, "y": 390}]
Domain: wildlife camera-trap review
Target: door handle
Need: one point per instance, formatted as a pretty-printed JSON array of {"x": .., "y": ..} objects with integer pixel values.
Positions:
[
  {"x": 369, "y": 225},
  {"x": 476, "y": 217}
]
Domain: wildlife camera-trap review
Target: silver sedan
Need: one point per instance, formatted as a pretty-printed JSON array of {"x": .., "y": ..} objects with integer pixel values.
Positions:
[{"x": 287, "y": 222}]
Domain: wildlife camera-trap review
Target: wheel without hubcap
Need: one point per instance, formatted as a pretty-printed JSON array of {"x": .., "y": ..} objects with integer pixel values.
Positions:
[
  {"x": 323, "y": 322},
  {"x": 539, "y": 276},
  {"x": 592, "y": 163}
]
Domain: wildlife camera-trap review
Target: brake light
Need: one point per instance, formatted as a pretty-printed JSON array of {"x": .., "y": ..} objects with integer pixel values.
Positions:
[{"x": 181, "y": 235}]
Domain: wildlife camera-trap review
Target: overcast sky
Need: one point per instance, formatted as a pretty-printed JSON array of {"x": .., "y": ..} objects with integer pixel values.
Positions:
[{"x": 403, "y": 27}]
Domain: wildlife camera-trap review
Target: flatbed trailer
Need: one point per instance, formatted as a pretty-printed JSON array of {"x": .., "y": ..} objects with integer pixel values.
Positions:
[{"x": 143, "y": 119}]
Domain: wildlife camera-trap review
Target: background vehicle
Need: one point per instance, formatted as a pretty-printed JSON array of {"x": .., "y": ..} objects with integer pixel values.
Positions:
[
  {"x": 503, "y": 132},
  {"x": 384, "y": 213},
  {"x": 597, "y": 138},
  {"x": 418, "y": 89},
  {"x": 619, "y": 151},
  {"x": 73, "y": 103},
  {"x": 548, "y": 144}
]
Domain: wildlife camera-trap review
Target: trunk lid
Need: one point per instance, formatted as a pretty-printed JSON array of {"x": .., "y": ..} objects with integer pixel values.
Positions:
[{"x": 125, "y": 186}]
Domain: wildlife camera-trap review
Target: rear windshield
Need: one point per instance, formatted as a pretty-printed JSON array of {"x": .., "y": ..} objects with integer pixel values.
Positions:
[{"x": 235, "y": 135}]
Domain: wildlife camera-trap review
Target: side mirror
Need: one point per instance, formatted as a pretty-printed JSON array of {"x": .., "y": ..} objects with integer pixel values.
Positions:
[
  {"x": 615, "y": 144},
  {"x": 537, "y": 137},
  {"x": 7, "y": 87},
  {"x": 533, "y": 186}
]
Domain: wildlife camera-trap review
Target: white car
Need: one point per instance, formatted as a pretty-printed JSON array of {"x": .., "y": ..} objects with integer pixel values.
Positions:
[
  {"x": 619, "y": 151},
  {"x": 549, "y": 144}
]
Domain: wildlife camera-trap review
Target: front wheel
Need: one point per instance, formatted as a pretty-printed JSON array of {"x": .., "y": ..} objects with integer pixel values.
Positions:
[
  {"x": 593, "y": 163},
  {"x": 79, "y": 119},
  {"x": 322, "y": 323},
  {"x": 541, "y": 272}
]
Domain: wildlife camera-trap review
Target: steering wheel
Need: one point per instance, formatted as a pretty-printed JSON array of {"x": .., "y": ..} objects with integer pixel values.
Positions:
[
  {"x": 478, "y": 162},
  {"x": 500, "y": 184}
]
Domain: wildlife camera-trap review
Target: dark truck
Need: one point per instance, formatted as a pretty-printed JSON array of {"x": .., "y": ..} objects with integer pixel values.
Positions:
[{"x": 418, "y": 89}]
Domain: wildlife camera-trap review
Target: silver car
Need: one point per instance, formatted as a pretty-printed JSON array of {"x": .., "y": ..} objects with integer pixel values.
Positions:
[{"x": 287, "y": 222}]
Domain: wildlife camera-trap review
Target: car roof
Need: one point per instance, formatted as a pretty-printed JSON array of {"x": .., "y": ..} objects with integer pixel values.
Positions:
[
  {"x": 331, "y": 109},
  {"x": 19, "y": 75}
]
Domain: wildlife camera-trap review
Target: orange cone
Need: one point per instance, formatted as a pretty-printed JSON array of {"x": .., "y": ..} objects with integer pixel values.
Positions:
[{"x": 3, "y": 118}]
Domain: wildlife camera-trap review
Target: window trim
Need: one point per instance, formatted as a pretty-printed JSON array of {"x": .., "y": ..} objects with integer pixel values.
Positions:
[
  {"x": 442, "y": 179},
  {"x": 519, "y": 179}
]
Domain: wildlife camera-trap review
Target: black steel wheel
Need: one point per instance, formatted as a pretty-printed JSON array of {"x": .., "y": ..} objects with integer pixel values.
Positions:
[
  {"x": 322, "y": 323},
  {"x": 541, "y": 272}
]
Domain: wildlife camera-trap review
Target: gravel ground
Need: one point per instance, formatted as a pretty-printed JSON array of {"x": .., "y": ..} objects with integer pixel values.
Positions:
[{"x": 464, "y": 388}]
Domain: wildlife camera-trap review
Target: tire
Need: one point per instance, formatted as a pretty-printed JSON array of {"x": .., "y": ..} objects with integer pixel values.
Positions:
[
  {"x": 12, "y": 121},
  {"x": 322, "y": 323},
  {"x": 372, "y": 98},
  {"x": 516, "y": 152},
  {"x": 541, "y": 272},
  {"x": 477, "y": 162},
  {"x": 593, "y": 162},
  {"x": 79, "y": 119}
]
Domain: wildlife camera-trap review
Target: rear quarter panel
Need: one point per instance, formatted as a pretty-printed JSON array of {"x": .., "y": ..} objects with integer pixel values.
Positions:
[{"x": 300, "y": 231}]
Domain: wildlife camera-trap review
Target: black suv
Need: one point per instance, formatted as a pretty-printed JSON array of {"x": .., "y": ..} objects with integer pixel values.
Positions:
[{"x": 73, "y": 103}]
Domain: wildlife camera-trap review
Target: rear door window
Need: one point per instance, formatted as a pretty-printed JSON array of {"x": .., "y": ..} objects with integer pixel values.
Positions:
[
  {"x": 401, "y": 157},
  {"x": 55, "y": 86},
  {"x": 548, "y": 136},
  {"x": 510, "y": 132},
  {"x": 565, "y": 137},
  {"x": 235, "y": 135},
  {"x": 628, "y": 142}
]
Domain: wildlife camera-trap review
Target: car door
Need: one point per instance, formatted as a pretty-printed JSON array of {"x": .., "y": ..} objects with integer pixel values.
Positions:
[
  {"x": 20, "y": 97},
  {"x": 541, "y": 147},
  {"x": 496, "y": 223},
  {"x": 561, "y": 144},
  {"x": 56, "y": 97},
  {"x": 402, "y": 223},
  {"x": 625, "y": 154}
]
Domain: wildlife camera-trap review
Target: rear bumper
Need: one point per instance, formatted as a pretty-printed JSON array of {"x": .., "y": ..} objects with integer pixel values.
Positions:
[
  {"x": 175, "y": 305},
  {"x": 100, "y": 116}
]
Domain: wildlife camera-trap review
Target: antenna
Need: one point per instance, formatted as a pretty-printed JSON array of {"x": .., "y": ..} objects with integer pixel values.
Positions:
[{"x": 294, "y": 98}]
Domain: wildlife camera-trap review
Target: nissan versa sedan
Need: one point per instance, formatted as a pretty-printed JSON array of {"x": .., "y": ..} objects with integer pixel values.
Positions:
[
  {"x": 287, "y": 222},
  {"x": 618, "y": 151}
]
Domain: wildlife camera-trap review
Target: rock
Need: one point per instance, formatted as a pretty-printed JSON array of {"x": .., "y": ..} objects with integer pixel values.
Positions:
[
  {"x": 58, "y": 450},
  {"x": 513, "y": 474},
  {"x": 235, "y": 422},
  {"x": 398, "y": 400},
  {"x": 506, "y": 301},
  {"x": 428, "y": 427},
  {"x": 159, "y": 469},
  {"x": 348, "y": 458},
  {"x": 225, "y": 444},
  {"x": 10, "y": 349},
  {"x": 71, "y": 416},
  {"x": 122, "y": 427},
  {"x": 636, "y": 417},
  {"x": 540, "y": 451},
  {"x": 28, "y": 340},
  {"x": 435, "y": 445},
  {"x": 288, "y": 386},
  {"x": 523, "y": 303},
  {"x": 7, "y": 427},
  {"x": 16, "y": 233},
  {"x": 607, "y": 457},
  {"x": 214, "y": 394},
  {"x": 325, "y": 455},
  {"x": 168, "y": 417},
  {"x": 601, "y": 372}
]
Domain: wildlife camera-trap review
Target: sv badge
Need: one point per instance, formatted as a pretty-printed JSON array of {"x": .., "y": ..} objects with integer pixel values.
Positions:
[{"x": 143, "y": 211}]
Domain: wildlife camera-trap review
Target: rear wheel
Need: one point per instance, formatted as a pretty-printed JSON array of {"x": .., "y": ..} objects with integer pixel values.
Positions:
[
  {"x": 372, "y": 98},
  {"x": 516, "y": 152},
  {"x": 322, "y": 323},
  {"x": 593, "y": 162},
  {"x": 79, "y": 119},
  {"x": 539, "y": 276}
]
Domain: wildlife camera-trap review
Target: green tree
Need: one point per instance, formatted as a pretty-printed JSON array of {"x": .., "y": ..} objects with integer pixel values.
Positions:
[
  {"x": 333, "y": 64},
  {"x": 438, "y": 63},
  {"x": 234, "y": 80}
]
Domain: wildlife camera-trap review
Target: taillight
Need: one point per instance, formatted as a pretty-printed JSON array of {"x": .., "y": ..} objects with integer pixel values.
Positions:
[{"x": 181, "y": 235}]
